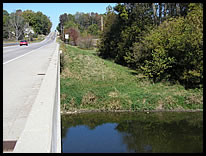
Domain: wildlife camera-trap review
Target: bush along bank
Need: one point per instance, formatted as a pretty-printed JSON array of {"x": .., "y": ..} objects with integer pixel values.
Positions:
[{"x": 89, "y": 82}]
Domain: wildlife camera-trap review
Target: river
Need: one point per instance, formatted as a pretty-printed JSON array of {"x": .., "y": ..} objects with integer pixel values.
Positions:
[{"x": 133, "y": 132}]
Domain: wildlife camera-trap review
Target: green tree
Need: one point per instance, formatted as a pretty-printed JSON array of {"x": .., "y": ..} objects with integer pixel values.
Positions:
[
  {"x": 29, "y": 17},
  {"x": 63, "y": 18},
  {"x": 135, "y": 19},
  {"x": 93, "y": 29},
  {"x": 42, "y": 23},
  {"x": 70, "y": 24},
  {"x": 110, "y": 35},
  {"x": 6, "y": 24},
  {"x": 174, "y": 50},
  {"x": 155, "y": 67},
  {"x": 163, "y": 40},
  {"x": 131, "y": 21}
]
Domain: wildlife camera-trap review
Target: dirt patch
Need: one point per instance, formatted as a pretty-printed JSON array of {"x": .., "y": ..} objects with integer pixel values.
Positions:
[
  {"x": 63, "y": 96},
  {"x": 66, "y": 73},
  {"x": 146, "y": 111},
  {"x": 115, "y": 104},
  {"x": 144, "y": 100},
  {"x": 194, "y": 99},
  {"x": 89, "y": 99},
  {"x": 169, "y": 100},
  {"x": 113, "y": 94},
  {"x": 160, "y": 106}
]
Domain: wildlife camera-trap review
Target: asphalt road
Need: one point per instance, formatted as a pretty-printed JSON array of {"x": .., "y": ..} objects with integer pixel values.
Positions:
[
  {"x": 23, "y": 71},
  {"x": 13, "y": 52}
]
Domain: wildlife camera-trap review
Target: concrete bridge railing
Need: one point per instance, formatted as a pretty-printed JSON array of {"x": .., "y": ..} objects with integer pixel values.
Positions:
[{"x": 42, "y": 132}]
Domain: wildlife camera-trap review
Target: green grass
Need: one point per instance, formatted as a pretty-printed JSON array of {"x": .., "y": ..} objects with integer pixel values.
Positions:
[{"x": 89, "y": 82}]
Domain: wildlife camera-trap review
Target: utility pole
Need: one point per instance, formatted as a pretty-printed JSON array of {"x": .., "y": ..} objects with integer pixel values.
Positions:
[
  {"x": 62, "y": 32},
  {"x": 101, "y": 23},
  {"x": 61, "y": 29}
]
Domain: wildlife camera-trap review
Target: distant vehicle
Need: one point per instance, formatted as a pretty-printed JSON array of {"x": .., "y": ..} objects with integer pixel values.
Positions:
[{"x": 23, "y": 42}]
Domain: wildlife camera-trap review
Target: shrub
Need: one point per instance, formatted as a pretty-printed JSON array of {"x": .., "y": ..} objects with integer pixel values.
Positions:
[
  {"x": 73, "y": 35},
  {"x": 173, "y": 50},
  {"x": 156, "y": 67},
  {"x": 93, "y": 30},
  {"x": 85, "y": 42}
]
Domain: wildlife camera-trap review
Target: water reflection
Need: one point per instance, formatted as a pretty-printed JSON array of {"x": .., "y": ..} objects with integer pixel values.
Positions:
[{"x": 133, "y": 132}]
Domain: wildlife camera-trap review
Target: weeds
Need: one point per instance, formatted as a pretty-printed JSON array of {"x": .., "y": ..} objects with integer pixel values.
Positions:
[{"x": 89, "y": 82}]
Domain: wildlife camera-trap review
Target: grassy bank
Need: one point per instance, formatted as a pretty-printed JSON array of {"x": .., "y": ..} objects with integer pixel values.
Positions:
[{"x": 91, "y": 83}]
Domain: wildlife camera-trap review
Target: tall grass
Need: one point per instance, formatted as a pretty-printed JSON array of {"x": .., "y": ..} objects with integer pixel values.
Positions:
[{"x": 89, "y": 82}]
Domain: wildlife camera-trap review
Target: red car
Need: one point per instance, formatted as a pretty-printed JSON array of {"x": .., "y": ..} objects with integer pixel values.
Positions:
[{"x": 23, "y": 42}]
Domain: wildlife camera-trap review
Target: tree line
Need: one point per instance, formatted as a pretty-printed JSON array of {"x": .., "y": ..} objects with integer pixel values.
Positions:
[
  {"x": 84, "y": 22},
  {"x": 18, "y": 24},
  {"x": 81, "y": 27},
  {"x": 163, "y": 41}
]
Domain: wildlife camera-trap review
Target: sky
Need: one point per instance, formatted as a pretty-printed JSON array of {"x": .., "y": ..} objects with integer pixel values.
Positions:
[{"x": 54, "y": 10}]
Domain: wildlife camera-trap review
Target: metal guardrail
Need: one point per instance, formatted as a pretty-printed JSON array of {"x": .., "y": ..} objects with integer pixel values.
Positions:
[
  {"x": 10, "y": 44},
  {"x": 42, "y": 132},
  {"x": 56, "y": 129}
]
